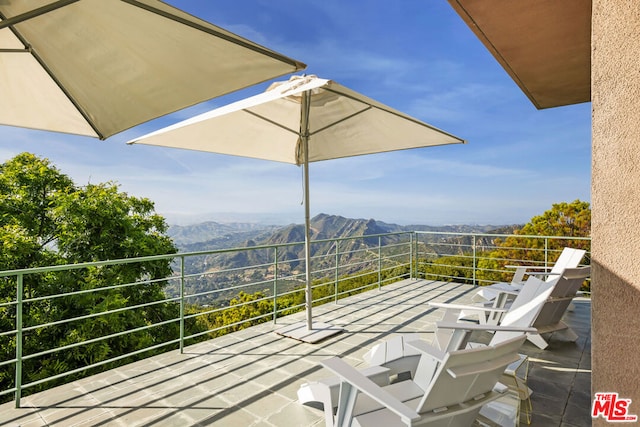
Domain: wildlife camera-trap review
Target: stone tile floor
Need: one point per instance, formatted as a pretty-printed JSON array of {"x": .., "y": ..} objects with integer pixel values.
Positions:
[{"x": 250, "y": 378}]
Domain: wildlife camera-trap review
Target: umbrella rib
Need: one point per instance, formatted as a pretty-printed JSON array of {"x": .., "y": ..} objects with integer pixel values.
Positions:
[
  {"x": 395, "y": 113},
  {"x": 28, "y": 48},
  {"x": 272, "y": 122},
  {"x": 238, "y": 41},
  {"x": 25, "y": 50},
  {"x": 68, "y": 95},
  {"x": 344, "y": 119},
  {"x": 7, "y": 22}
]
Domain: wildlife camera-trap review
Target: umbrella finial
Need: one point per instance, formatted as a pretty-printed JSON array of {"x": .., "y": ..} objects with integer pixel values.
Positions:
[{"x": 292, "y": 84}]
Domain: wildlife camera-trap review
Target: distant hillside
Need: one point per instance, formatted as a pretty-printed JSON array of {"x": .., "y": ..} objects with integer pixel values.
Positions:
[
  {"x": 214, "y": 235},
  {"x": 496, "y": 229},
  {"x": 325, "y": 226},
  {"x": 221, "y": 236},
  {"x": 218, "y": 271}
]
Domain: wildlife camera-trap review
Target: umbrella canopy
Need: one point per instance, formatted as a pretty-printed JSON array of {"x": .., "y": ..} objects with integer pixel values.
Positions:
[
  {"x": 98, "y": 67},
  {"x": 341, "y": 123},
  {"x": 305, "y": 119}
]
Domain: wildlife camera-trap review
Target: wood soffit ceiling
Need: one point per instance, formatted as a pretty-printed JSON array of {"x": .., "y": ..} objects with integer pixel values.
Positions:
[{"x": 544, "y": 45}]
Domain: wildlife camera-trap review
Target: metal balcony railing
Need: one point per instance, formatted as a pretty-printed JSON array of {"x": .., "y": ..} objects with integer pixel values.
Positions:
[
  {"x": 215, "y": 292},
  {"x": 482, "y": 259}
]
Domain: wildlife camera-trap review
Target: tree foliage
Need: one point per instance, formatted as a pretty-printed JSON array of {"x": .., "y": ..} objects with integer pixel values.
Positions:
[
  {"x": 456, "y": 268},
  {"x": 45, "y": 219},
  {"x": 563, "y": 219},
  {"x": 244, "y": 310},
  {"x": 569, "y": 220}
]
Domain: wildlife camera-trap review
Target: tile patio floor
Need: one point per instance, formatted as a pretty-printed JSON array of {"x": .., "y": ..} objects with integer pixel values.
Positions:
[{"x": 250, "y": 378}]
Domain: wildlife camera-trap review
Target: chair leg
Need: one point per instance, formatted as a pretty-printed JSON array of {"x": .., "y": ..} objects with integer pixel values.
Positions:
[
  {"x": 537, "y": 340},
  {"x": 528, "y": 409},
  {"x": 515, "y": 377},
  {"x": 569, "y": 335}
]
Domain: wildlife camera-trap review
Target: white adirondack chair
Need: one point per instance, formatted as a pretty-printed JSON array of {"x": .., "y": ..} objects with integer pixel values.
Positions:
[
  {"x": 324, "y": 393},
  {"x": 397, "y": 357},
  {"x": 569, "y": 258},
  {"x": 449, "y": 388},
  {"x": 450, "y": 334},
  {"x": 549, "y": 317}
]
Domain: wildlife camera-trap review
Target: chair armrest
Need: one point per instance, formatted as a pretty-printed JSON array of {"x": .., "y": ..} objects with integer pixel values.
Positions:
[
  {"x": 557, "y": 299},
  {"x": 469, "y": 307},
  {"x": 510, "y": 292},
  {"x": 482, "y": 365},
  {"x": 507, "y": 288},
  {"x": 529, "y": 267},
  {"x": 543, "y": 274},
  {"x": 427, "y": 349},
  {"x": 476, "y": 327},
  {"x": 350, "y": 375}
]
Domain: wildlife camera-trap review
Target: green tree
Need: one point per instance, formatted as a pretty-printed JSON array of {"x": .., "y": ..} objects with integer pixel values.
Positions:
[
  {"x": 563, "y": 219},
  {"x": 45, "y": 219},
  {"x": 455, "y": 268},
  {"x": 236, "y": 317}
]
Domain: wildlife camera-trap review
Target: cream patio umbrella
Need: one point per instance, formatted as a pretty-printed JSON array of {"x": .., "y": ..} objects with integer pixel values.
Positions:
[
  {"x": 98, "y": 67},
  {"x": 303, "y": 120}
]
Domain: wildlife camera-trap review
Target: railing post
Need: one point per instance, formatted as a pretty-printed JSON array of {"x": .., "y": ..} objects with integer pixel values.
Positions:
[
  {"x": 182, "y": 304},
  {"x": 275, "y": 285},
  {"x": 474, "y": 260},
  {"x": 416, "y": 260},
  {"x": 379, "y": 262},
  {"x": 546, "y": 252},
  {"x": 18, "y": 380},
  {"x": 337, "y": 272},
  {"x": 411, "y": 254}
]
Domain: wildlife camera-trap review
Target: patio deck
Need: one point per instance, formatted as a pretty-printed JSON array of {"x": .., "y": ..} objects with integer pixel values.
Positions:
[{"x": 250, "y": 378}]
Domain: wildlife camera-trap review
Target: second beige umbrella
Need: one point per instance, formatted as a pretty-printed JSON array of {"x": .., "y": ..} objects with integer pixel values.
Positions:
[{"x": 303, "y": 120}]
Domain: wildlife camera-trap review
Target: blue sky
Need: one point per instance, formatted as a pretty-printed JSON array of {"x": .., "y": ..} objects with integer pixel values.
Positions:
[{"x": 416, "y": 56}]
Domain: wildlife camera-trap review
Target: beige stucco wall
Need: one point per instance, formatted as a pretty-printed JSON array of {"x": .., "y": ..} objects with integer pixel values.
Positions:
[{"x": 615, "y": 83}]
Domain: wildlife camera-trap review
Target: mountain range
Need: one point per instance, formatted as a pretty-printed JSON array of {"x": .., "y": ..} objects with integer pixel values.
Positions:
[
  {"x": 219, "y": 270},
  {"x": 212, "y": 235}
]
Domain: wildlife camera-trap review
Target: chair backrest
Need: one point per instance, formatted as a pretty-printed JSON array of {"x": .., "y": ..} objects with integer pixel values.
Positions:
[
  {"x": 525, "y": 307},
  {"x": 466, "y": 374},
  {"x": 522, "y": 312},
  {"x": 569, "y": 258},
  {"x": 563, "y": 292}
]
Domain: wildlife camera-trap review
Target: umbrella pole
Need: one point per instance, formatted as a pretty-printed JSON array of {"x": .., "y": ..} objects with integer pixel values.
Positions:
[
  {"x": 304, "y": 128},
  {"x": 307, "y": 246},
  {"x": 300, "y": 330}
]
